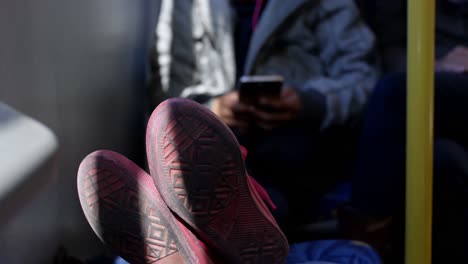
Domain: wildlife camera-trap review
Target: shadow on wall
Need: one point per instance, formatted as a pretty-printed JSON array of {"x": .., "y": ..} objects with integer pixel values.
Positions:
[{"x": 80, "y": 68}]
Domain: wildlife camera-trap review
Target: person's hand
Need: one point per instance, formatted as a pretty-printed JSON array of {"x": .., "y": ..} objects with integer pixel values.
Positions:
[
  {"x": 275, "y": 112},
  {"x": 456, "y": 61},
  {"x": 231, "y": 111}
]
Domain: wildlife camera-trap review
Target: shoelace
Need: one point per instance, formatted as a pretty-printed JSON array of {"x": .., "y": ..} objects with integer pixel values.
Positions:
[{"x": 258, "y": 188}]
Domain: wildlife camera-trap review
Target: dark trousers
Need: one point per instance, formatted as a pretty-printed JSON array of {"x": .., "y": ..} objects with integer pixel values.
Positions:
[
  {"x": 297, "y": 165},
  {"x": 379, "y": 178}
]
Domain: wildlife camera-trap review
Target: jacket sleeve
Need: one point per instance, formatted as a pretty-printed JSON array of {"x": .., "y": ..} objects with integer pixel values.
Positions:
[
  {"x": 347, "y": 51},
  {"x": 190, "y": 58}
]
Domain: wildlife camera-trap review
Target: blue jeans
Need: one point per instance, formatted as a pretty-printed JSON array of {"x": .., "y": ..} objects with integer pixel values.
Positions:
[{"x": 379, "y": 177}]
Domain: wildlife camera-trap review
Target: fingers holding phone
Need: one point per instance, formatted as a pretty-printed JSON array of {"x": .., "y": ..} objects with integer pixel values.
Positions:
[
  {"x": 276, "y": 111},
  {"x": 287, "y": 101},
  {"x": 252, "y": 88},
  {"x": 231, "y": 111},
  {"x": 271, "y": 104}
]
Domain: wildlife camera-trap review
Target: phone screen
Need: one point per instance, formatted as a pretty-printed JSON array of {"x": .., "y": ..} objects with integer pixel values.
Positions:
[{"x": 252, "y": 87}]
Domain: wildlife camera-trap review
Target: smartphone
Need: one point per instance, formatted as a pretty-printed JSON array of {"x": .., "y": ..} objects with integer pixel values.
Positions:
[{"x": 253, "y": 86}]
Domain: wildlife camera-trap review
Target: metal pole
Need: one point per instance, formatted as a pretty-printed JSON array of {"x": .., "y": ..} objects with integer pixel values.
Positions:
[{"x": 419, "y": 146}]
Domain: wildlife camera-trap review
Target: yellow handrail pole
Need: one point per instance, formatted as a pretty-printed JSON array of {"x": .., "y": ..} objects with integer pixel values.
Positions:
[{"x": 420, "y": 105}]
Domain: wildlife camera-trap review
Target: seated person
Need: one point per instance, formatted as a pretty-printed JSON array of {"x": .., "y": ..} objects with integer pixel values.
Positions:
[
  {"x": 379, "y": 179},
  {"x": 323, "y": 51}
]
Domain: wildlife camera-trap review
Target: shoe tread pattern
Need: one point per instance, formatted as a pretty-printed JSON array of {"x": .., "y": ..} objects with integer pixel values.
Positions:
[
  {"x": 197, "y": 169},
  {"x": 122, "y": 218},
  {"x": 197, "y": 166}
]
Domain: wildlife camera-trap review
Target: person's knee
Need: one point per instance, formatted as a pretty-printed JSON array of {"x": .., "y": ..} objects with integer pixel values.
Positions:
[
  {"x": 385, "y": 112},
  {"x": 391, "y": 88}
]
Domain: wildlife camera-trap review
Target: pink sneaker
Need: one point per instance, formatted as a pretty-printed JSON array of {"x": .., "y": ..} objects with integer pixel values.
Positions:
[
  {"x": 197, "y": 166},
  {"x": 126, "y": 211}
]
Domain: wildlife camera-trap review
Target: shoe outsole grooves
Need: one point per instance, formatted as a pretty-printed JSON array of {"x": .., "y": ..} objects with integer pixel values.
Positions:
[
  {"x": 197, "y": 166},
  {"x": 124, "y": 209}
]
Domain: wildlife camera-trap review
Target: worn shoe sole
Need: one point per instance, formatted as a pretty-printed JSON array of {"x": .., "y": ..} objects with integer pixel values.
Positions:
[
  {"x": 126, "y": 212},
  {"x": 197, "y": 166}
]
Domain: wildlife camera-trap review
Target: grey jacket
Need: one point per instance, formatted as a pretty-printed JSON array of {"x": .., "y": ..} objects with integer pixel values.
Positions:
[{"x": 321, "y": 47}]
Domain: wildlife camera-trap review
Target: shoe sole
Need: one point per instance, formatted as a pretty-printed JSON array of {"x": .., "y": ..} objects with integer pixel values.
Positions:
[
  {"x": 197, "y": 166},
  {"x": 126, "y": 212}
]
